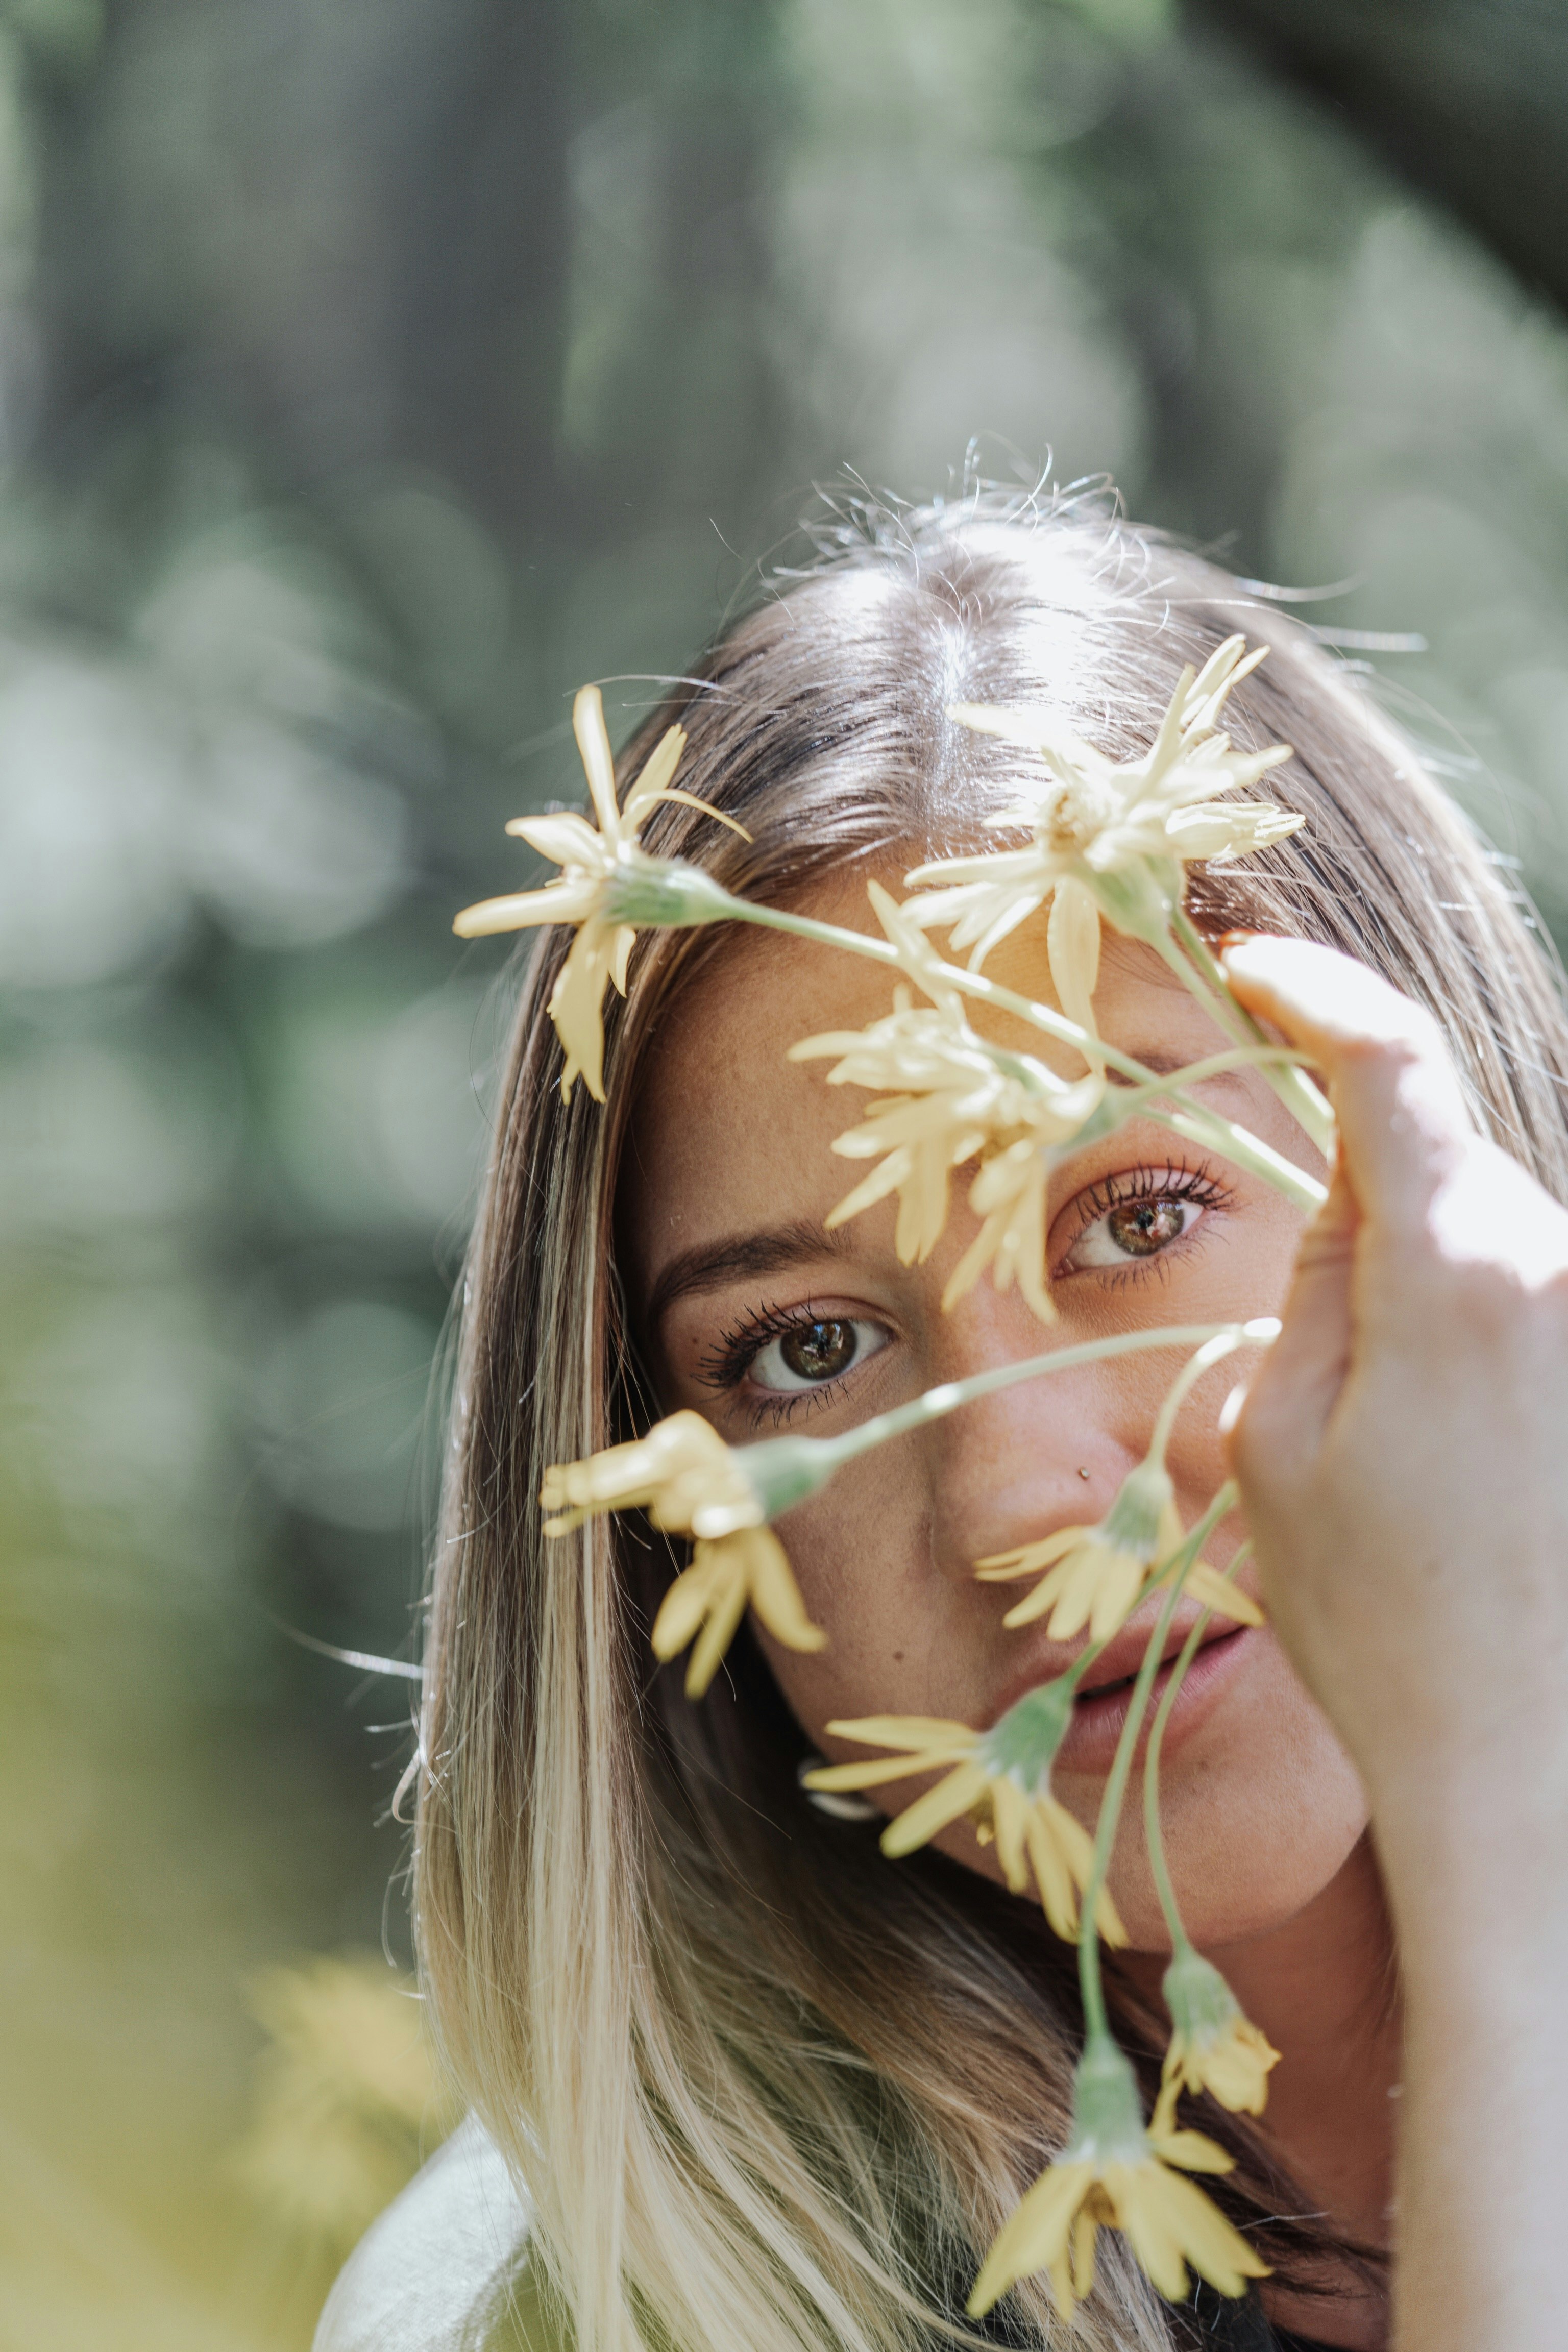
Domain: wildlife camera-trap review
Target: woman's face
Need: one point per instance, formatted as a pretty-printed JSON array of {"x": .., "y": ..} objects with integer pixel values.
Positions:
[{"x": 762, "y": 1320}]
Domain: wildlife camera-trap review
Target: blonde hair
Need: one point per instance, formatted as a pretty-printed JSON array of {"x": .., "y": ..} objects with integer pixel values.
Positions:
[{"x": 762, "y": 2090}]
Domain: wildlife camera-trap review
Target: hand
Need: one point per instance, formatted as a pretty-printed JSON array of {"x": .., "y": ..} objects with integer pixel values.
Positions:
[
  {"x": 1403, "y": 1462},
  {"x": 1403, "y": 1455}
]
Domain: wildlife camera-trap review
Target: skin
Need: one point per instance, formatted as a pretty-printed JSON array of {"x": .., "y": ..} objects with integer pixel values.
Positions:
[{"x": 732, "y": 1178}]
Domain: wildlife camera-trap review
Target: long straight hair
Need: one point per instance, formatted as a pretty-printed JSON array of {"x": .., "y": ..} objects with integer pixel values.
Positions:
[{"x": 760, "y": 2090}]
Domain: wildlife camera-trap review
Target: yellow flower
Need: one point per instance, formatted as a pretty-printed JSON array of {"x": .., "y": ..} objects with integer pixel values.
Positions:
[
  {"x": 1001, "y": 1778},
  {"x": 958, "y": 1098},
  {"x": 1108, "y": 838},
  {"x": 691, "y": 1484},
  {"x": 1214, "y": 2046},
  {"x": 1114, "y": 2173},
  {"x": 601, "y": 875},
  {"x": 1097, "y": 1575}
]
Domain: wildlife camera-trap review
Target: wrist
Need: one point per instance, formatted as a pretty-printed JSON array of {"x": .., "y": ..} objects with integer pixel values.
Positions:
[{"x": 1473, "y": 1861}]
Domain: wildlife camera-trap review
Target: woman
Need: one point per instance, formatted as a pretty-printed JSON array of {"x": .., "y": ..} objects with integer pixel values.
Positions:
[{"x": 756, "y": 2085}]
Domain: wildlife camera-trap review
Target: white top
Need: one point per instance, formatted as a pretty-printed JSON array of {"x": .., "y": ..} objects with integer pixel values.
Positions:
[{"x": 444, "y": 2267}]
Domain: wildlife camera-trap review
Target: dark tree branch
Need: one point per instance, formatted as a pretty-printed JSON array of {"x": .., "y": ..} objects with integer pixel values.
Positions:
[{"x": 1469, "y": 99}]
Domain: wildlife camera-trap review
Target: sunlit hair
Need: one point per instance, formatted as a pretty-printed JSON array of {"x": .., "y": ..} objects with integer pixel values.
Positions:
[{"x": 763, "y": 2090}]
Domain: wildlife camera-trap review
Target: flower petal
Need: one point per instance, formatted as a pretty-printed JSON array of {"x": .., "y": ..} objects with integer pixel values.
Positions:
[
  {"x": 728, "y": 1607},
  {"x": 1206, "y": 1584},
  {"x": 657, "y": 771},
  {"x": 1001, "y": 1567},
  {"x": 874, "y": 1771},
  {"x": 1144, "y": 2213},
  {"x": 566, "y": 837},
  {"x": 1053, "y": 1877},
  {"x": 1072, "y": 945},
  {"x": 598, "y": 760},
  {"x": 683, "y": 1608},
  {"x": 1010, "y": 1818},
  {"x": 960, "y": 1791},
  {"x": 775, "y": 1596},
  {"x": 1035, "y": 2236},
  {"x": 558, "y": 902},
  {"x": 576, "y": 1008}
]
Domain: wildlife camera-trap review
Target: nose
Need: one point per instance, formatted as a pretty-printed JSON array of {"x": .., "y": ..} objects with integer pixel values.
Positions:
[{"x": 1025, "y": 1460}]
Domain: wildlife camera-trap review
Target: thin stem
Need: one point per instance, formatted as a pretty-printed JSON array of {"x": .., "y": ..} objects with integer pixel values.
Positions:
[
  {"x": 1306, "y": 1102},
  {"x": 1219, "y": 1134},
  {"x": 1152, "y": 1834},
  {"x": 1088, "y": 1969},
  {"x": 968, "y": 983},
  {"x": 937, "y": 1403},
  {"x": 1214, "y": 1351}
]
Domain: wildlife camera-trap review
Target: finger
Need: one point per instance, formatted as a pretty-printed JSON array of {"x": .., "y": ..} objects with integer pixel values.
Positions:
[
  {"x": 1288, "y": 1406},
  {"x": 1403, "y": 1119}
]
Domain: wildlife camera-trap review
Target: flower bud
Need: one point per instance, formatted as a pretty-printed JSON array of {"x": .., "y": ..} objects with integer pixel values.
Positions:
[
  {"x": 1023, "y": 1744},
  {"x": 663, "y": 894}
]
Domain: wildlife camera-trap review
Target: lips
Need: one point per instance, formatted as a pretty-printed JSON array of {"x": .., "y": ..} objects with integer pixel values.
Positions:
[
  {"x": 1106, "y": 1691},
  {"x": 1119, "y": 1661}
]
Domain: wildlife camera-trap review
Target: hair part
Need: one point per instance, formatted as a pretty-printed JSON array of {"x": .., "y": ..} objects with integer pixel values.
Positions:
[{"x": 758, "y": 2092}]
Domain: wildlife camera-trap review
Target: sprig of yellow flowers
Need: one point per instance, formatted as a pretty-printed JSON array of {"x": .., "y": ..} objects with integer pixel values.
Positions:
[{"x": 1104, "y": 842}]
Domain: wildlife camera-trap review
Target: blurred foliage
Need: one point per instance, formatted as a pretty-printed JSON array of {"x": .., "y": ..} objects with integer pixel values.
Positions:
[
  {"x": 348, "y": 2106},
  {"x": 369, "y": 377}
]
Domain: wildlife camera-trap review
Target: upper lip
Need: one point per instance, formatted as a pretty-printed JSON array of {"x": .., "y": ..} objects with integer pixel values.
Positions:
[{"x": 1120, "y": 1658}]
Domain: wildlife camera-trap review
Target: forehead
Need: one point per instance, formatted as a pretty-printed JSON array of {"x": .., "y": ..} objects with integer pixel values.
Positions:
[{"x": 728, "y": 1134}]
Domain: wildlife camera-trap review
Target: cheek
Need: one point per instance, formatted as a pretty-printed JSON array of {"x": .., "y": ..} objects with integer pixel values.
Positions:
[{"x": 902, "y": 1638}]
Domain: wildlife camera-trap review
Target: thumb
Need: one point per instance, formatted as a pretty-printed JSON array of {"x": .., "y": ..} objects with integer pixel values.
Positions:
[
  {"x": 1402, "y": 1117},
  {"x": 1287, "y": 1406}
]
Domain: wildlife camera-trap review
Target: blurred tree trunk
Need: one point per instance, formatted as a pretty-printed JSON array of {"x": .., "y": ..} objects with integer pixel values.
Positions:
[{"x": 1467, "y": 97}]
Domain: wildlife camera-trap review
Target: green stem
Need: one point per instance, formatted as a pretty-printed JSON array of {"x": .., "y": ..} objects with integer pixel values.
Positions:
[
  {"x": 1152, "y": 1834},
  {"x": 1213, "y": 1352},
  {"x": 1088, "y": 1969},
  {"x": 832, "y": 1452},
  {"x": 1306, "y": 1102},
  {"x": 1216, "y": 1133}
]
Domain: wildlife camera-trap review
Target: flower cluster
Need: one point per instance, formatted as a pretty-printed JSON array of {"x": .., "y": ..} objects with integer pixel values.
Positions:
[
  {"x": 1001, "y": 1780},
  {"x": 1106, "y": 841},
  {"x": 1097, "y": 1576},
  {"x": 1107, "y": 837},
  {"x": 1214, "y": 2046},
  {"x": 691, "y": 1484},
  {"x": 600, "y": 879},
  {"x": 955, "y": 1098},
  {"x": 1116, "y": 2173}
]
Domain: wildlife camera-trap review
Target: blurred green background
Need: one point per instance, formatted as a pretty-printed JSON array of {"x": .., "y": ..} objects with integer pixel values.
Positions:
[{"x": 372, "y": 371}]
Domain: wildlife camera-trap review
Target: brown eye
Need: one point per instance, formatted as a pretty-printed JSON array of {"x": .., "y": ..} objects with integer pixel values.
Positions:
[
  {"x": 811, "y": 1354},
  {"x": 819, "y": 1352},
  {"x": 1132, "y": 1230},
  {"x": 1142, "y": 1227}
]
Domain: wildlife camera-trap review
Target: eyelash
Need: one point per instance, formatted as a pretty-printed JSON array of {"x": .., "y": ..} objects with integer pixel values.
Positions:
[
  {"x": 732, "y": 1354},
  {"x": 1197, "y": 1184}
]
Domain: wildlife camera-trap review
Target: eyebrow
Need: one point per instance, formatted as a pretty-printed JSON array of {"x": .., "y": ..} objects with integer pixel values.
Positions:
[
  {"x": 741, "y": 1256},
  {"x": 1157, "y": 1058}
]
